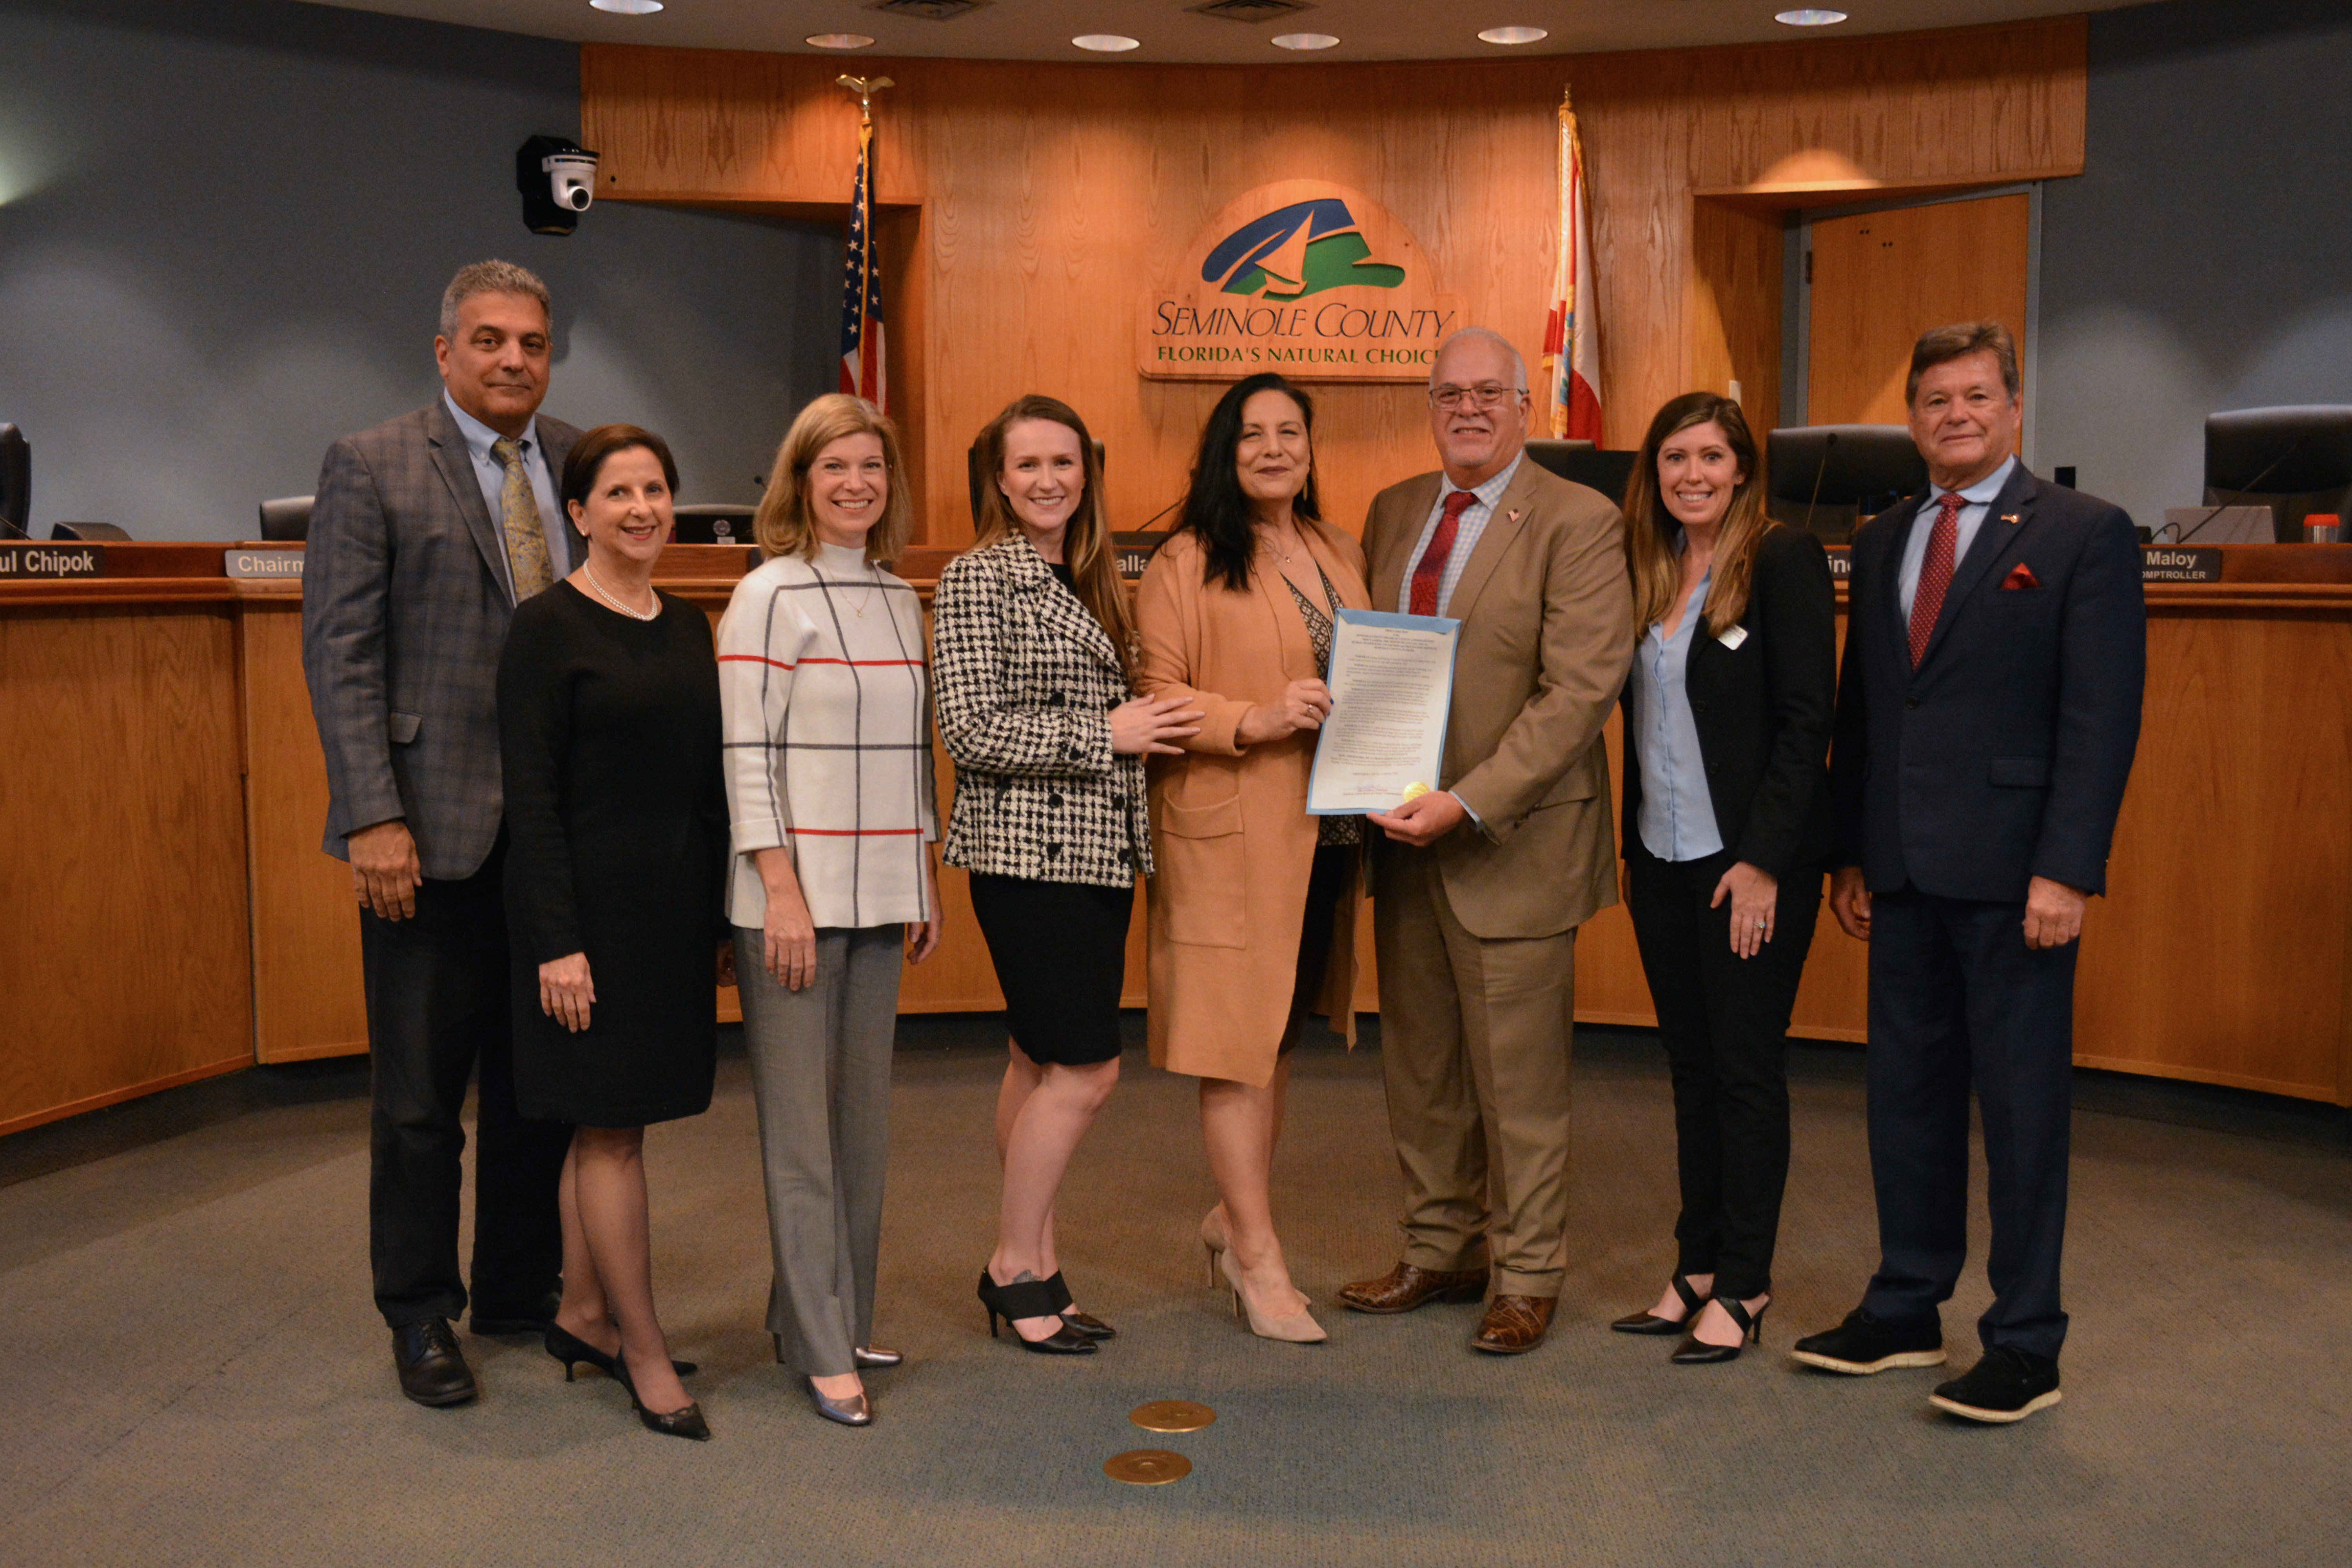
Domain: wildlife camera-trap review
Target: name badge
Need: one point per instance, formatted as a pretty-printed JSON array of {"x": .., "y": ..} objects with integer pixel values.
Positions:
[{"x": 1733, "y": 635}]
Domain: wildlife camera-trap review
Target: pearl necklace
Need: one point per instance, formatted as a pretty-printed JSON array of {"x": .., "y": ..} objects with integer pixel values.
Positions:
[{"x": 613, "y": 599}]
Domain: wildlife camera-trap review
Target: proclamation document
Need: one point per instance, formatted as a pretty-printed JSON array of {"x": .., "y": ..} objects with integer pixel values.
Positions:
[{"x": 1391, "y": 686}]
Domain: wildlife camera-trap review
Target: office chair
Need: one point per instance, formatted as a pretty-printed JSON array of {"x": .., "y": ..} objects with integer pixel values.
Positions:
[
  {"x": 15, "y": 483},
  {"x": 91, "y": 532},
  {"x": 1829, "y": 478},
  {"x": 288, "y": 519},
  {"x": 2295, "y": 460},
  {"x": 1583, "y": 463}
]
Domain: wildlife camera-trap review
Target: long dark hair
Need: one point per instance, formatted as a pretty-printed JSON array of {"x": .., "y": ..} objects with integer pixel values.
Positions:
[
  {"x": 1651, "y": 530},
  {"x": 1087, "y": 543},
  {"x": 1214, "y": 507}
]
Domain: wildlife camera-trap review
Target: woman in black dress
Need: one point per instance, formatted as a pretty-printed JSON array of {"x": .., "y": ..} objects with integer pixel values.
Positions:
[{"x": 608, "y": 718}]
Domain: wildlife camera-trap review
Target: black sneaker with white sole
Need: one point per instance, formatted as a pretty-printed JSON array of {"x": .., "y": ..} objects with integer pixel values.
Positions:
[
  {"x": 2007, "y": 1385},
  {"x": 1862, "y": 1344}
]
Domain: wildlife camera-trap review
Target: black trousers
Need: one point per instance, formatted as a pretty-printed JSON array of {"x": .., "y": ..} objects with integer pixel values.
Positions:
[
  {"x": 438, "y": 1005},
  {"x": 1724, "y": 1021},
  {"x": 1957, "y": 1001}
]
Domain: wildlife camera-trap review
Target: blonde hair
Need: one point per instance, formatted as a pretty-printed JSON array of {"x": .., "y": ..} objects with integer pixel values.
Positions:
[
  {"x": 1651, "y": 530},
  {"x": 1085, "y": 542},
  {"x": 784, "y": 524}
]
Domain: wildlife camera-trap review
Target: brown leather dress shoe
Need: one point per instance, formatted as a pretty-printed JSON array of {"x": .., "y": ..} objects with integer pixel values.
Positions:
[
  {"x": 1513, "y": 1324},
  {"x": 1405, "y": 1287}
]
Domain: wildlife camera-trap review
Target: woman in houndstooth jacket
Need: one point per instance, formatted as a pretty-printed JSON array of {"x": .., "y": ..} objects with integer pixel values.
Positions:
[{"x": 1033, "y": 651}]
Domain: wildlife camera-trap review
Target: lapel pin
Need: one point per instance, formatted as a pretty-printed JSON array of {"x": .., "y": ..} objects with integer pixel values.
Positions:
[
  {"x": 1513, "y": 515},
  {"x": 2010, "y": 517}
]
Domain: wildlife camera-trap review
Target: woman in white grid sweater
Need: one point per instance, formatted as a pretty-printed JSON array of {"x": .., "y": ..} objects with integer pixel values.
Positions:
[{"x": 830, "y": 788}]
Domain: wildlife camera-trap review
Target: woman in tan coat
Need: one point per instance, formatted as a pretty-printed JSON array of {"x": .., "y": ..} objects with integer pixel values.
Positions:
[{"x": 1253, "y": 912}]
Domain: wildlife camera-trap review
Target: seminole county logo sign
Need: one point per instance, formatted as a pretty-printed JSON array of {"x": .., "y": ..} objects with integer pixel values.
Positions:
[{"x": 1303, "y": 277}]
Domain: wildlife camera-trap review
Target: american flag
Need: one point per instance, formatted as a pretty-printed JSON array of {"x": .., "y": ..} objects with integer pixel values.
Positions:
[{"x": 861, "y": 296}]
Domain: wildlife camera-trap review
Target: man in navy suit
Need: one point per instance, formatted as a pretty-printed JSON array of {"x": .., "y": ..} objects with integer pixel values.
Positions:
[{"x": 1988, "y": 711}]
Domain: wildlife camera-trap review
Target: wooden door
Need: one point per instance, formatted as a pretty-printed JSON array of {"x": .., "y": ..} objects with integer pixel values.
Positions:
[{"x": 1881, "y": 280}]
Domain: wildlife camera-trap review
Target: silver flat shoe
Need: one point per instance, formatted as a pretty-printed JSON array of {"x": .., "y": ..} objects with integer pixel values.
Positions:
[
  {"x": 853, "y": 1411},
  {"x": 875, "y": 1358}
]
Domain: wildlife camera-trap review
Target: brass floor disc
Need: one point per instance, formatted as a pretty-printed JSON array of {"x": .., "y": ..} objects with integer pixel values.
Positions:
[
  {"x": 1147, "y": 1467},
  {"x": 1171, "y": 1415}
]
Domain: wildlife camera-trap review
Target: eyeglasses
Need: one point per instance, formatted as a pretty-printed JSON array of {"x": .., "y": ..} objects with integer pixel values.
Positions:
[{"x": 1485, "y": 394}]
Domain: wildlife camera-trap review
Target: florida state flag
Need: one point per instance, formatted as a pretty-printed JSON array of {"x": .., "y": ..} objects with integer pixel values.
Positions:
[
  {"x": 861, "y": 300},
  {"x": 1572, "y": 362}
]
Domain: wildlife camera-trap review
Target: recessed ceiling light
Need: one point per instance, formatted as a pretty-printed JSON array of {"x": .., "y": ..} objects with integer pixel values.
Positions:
[
  {"x": 1513, "y": 35},
  {"x": 838, "y": 41},
  {"x": 1305, "y": 41},
  {"x": 629, "y": 7},
  {"x": 1106, "y": 43},
  {"x": 1811, "y": 16}
]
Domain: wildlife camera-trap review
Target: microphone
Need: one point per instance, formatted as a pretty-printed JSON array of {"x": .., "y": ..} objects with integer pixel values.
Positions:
[
  {"x": 2249, "y": 488},
  {"x": 1820, "y": 469}
]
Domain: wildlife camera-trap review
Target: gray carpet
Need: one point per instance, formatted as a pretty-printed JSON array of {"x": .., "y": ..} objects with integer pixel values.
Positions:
[{"x": 194, "y": 1374}]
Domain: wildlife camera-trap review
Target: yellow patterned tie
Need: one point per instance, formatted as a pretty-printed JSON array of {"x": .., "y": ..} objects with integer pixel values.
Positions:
[{"x": 519, "y": 516}]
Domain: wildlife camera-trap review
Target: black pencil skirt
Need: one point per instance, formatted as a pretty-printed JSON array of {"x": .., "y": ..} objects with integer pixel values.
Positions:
[{"x": 1060, "y": 951}]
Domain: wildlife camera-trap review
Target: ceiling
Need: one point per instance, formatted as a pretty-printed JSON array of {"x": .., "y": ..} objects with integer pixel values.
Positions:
[{"x": 1168, "y": 31}]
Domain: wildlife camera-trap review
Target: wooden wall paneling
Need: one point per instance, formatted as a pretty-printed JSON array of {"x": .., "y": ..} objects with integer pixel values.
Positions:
[
  {"x": 127, "y": 966},
  {"x": 1733, "y": 324},
  {"x": 309, "y": 999},
  {"x": 1882, "y": 278}
]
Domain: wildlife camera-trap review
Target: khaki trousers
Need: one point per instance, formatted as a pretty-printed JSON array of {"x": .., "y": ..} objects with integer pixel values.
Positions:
[{"x": 1474, "y": 1042}]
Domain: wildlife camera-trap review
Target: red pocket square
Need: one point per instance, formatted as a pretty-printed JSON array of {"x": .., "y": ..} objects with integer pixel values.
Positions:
[{"x": 2021, "y": 576}]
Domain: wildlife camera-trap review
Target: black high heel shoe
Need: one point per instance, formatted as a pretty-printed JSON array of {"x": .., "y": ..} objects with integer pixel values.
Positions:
[
  {"x": 1083, "y": 1323},
  {"x": 686, "y": 1422},
  {"x": 1645, "y": 1322},
  {"x": 1030, "y": 1299},
  {"x": 572, "y": 1350},
  {"x": 1696, "y": 1351}
]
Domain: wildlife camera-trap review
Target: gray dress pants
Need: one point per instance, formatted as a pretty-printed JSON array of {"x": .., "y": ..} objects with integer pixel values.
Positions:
[{"x": 821, "y": 1078}]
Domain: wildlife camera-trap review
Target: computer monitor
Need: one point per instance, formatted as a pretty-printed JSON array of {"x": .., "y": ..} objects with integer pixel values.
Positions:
[
  {"x": 1827, "y": 478},
  {"x": 15, "y": 483},
  {"x": 2296, "y": 460}
]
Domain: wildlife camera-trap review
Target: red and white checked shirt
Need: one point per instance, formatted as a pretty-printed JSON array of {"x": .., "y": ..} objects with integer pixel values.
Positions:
[{"x": 827, "y": 703}]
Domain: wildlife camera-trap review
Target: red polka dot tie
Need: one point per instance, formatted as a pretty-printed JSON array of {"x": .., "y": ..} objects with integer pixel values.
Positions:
[{"x": 1935, "y": 576}]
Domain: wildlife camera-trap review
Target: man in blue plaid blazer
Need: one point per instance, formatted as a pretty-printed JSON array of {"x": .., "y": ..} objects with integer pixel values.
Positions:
[{"x": 425, "y": 533}]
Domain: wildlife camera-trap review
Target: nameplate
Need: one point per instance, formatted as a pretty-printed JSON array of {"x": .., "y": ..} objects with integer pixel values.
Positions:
[
  {"x": 2180, "y": 563},
  {"x": 263, "y": 566},
  {"x": 1841, "y": 561},
  {"x": 18, "y": 561},
  {"x": 1135, "y": 551}
]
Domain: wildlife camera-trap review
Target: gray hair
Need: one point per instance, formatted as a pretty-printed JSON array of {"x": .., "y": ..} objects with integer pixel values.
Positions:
[
  {"x": 1487, "y": 335},
  {"x": 489, "y": 278}
]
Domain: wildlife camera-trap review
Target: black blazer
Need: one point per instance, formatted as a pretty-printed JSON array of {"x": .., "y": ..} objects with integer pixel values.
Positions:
[
  {"x": 1763, "y": 713},
  {"x": 2004, "y": 756}
]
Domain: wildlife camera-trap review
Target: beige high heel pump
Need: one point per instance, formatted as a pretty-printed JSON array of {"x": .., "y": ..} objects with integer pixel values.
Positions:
[
  {"x": 1214, "y": 1239},
  {"x": 1298, "y": 1329}
]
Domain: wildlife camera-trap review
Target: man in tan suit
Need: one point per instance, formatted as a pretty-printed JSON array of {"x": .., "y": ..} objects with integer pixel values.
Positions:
[{"x": 1479, "y": 886}]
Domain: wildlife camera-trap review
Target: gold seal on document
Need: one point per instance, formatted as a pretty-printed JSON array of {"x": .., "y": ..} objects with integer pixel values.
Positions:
[{"x": 1414, "y": 791}]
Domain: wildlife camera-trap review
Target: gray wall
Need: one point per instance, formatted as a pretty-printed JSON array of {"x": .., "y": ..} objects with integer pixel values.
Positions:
[
  {"x": 2204, "y": 260},
  {"x": 224, "y": 227}
]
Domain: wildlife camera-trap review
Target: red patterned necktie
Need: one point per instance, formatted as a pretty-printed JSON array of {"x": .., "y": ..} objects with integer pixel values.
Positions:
[
  {"x": 1426, "y": 575},
  {"x": 1935, "y": 576}
]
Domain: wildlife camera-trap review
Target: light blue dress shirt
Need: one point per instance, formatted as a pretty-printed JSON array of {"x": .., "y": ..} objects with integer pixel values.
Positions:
[
  {"x": 1677, "y": 816},
  {"x": 1473, "y": 524},
  {"x": 492, "y": 476},
  {"x": 1976, "y": 501}
]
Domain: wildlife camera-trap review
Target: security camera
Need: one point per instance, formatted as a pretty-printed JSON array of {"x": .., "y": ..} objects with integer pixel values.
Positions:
[{"x": 558, "y": 181}]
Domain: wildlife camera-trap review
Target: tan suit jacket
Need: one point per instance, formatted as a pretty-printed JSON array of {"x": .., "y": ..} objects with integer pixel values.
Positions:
[
  {"x": 1547, "y": 614},
  {"x": 1230, "y": 831}
]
